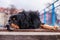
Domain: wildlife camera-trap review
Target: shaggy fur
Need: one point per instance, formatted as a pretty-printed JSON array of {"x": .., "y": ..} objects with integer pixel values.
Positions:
[{"x": 25, "y": 20}]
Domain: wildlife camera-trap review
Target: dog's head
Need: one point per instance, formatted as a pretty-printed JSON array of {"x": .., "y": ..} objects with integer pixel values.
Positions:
[
  {"x": 13, "y": 18},
  {"x": 17, "y": 19}
]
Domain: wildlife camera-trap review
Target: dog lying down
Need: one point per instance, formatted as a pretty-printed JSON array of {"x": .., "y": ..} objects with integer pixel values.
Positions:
[{"x": 27, "y": 20}]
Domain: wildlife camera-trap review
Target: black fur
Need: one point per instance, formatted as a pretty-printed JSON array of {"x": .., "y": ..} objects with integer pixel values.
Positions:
[{"x": 26, "y": 20}]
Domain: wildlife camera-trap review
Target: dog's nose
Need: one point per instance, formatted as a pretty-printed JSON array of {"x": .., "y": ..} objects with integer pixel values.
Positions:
[{"x": 8, "y": 20}]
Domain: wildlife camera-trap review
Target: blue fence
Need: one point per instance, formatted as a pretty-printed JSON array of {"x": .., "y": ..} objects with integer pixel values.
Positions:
[{"x": 53, "y": 13}]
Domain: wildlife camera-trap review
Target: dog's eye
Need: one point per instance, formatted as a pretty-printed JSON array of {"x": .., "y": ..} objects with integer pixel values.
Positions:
[{"x": 13, "y": 18}]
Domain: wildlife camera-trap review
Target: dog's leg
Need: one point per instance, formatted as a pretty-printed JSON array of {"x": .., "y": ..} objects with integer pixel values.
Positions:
[
  {"x": 49, "y": 27},
  {"x": 14, "y": 26}
]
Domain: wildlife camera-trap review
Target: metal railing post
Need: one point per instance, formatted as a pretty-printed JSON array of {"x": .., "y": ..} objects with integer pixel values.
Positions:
[
  {"x": 53, "y": 15},
  {"x": 44, "y": 16}
]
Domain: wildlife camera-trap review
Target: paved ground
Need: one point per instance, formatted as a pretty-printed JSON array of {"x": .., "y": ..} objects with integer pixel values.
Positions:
[
  {"x": 30, "y": 37},
  {"x": 20, "y": 37}
]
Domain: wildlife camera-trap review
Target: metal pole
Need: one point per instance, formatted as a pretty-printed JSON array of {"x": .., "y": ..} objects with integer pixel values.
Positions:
[
  {"x": 44, "y": 16},
  {"x": 53, "y": 15}
]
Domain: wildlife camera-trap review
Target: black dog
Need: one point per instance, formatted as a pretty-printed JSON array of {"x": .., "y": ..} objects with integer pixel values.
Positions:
[{"x": 25, "y": 20}]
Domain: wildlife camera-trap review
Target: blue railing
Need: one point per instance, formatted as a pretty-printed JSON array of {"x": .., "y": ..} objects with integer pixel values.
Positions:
[{"x": 52, "y": 11}]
